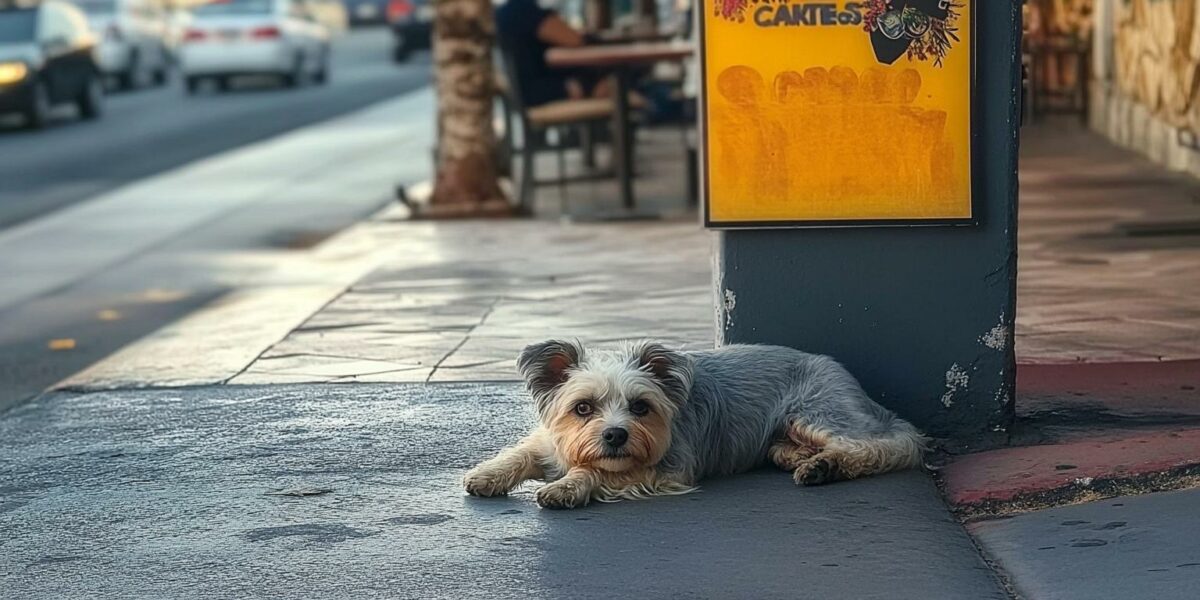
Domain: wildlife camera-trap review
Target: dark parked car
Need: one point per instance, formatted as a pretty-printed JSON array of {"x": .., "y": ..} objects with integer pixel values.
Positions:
[
  {"x": 412, "y": 24},
  {"x": 47, "y": 57}
]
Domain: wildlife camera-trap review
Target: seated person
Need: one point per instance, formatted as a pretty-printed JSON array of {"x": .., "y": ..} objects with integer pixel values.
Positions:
[{"x": 526, "y": 30}]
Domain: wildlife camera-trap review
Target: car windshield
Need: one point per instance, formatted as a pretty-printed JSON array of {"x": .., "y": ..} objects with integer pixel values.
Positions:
[
  {"x": 233, "y": 7},
  {"x": 97, "y": 7},
  {"x": 17, "y": 25}
]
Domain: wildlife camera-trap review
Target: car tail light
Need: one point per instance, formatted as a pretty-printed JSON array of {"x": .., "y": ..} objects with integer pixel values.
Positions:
[
  {"x": 194, "y": 35},
  {"x": 112, "y": 32},
  {"x": 399, "y": 9},
  {"x": 265, "y": 33}
]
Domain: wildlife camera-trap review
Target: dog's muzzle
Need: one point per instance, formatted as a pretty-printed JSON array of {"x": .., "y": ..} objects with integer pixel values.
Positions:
[{"x": 615, "y": 437}]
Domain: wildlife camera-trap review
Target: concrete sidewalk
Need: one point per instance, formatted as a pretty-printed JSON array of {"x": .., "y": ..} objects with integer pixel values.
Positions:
[
  {"x": 463, "y": 299},
  {"x": 1128, "y": 547},
  {"x": 1109, "y": 252},
  {"x": 1108, "y": 274},
  {"x": 232, "y": 234},
  {"x": 176, "y": 492},
  {"x": 353, "y": 492}
]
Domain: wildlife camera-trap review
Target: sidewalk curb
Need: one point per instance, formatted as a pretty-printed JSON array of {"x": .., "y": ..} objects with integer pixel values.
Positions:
[
  {"x": 1085, "y": 432},
  {"x": 218, "y": 341},
  {"x": 1083, "y": 490}
]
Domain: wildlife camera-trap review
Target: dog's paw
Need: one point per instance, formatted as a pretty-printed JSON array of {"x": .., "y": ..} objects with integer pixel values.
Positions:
[
  {"x": 564, "y": 493},
  {"x": 486, "y": 483},
  {"x": 813, "y": 472}
]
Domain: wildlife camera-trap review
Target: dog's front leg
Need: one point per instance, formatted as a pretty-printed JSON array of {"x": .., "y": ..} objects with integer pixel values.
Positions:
[
  {"x": 498, "y": 476},
  {"x": 572, "y": 491}
]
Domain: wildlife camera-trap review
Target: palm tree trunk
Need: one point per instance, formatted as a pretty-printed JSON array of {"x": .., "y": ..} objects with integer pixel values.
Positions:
[{"x": 466, "y": 183}]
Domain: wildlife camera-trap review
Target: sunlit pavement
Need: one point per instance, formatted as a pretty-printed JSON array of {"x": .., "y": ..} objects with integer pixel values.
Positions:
[
  {"x": 457, "y": 301},
  {"x": 171, "y": 203}
]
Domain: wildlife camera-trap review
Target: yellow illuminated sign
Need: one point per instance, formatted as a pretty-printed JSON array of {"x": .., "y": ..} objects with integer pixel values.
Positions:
[{"x": 837, "y": 113}]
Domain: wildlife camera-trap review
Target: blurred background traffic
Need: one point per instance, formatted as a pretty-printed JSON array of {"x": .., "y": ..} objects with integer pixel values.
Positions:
[
  {"x": 169, "y": 82},
  {"x": 57, "y": 54}
]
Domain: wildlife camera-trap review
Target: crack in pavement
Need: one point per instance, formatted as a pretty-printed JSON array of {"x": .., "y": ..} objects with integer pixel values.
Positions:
[{"x": 482, "y": 319}]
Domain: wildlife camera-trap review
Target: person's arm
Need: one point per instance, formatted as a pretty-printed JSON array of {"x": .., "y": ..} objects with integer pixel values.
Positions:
[{"x": 556, "y": 32}]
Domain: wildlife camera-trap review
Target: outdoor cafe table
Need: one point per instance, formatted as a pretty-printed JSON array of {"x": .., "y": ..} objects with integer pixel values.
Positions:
[{"x": 622, "y": 60}]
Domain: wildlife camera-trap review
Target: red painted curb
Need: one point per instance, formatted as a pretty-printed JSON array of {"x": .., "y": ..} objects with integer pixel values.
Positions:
[
  {"x": 1103, "y": 422},
  {"x": 1011, "y": 473}
]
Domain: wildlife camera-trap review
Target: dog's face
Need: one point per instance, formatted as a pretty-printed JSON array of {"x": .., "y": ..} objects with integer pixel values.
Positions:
[{"x": 608, "y": 410}]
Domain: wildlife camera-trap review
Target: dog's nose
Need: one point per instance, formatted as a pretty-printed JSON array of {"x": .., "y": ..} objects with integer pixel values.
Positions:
[{"x": 615, "y": 436}]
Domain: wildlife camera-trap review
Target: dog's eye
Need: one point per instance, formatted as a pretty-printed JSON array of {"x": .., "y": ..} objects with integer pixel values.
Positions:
[
  {"x": 640, "y": 408},
  {"x": 583, "y": 409}
]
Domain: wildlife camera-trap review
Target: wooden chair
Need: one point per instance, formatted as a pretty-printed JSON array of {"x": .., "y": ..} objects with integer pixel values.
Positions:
[
  {"x": 1059, "y": 74},
  {"x": 560, "y": 117}
]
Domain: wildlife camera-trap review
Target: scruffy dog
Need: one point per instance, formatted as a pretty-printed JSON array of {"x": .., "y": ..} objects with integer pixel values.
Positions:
[{"x": 646, "y": 421}]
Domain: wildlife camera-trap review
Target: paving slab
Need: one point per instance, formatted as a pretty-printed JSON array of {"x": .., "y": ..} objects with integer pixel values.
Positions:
[
  {"x": 1099, "y": 278},
  {"x": 352, "y": 491},
  {"x": 462, "y": 299},
  {"x": 1120, "y": 548}
]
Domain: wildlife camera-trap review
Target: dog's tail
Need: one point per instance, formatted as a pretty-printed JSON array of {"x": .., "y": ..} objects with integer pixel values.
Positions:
[{"x": 901, "y": 446}]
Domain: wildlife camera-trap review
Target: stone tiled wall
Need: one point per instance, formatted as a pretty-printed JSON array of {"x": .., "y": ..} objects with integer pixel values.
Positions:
[
  {"x": 1155, "y": 52},
  {"x": 1146, "y": 71}
]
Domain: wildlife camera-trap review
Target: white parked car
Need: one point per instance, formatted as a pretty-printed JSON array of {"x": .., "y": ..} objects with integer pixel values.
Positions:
[
  {"x": 228, "y": 38},
  {"x": 133, "y": 47},
  {"x": 178, "y": 20}
]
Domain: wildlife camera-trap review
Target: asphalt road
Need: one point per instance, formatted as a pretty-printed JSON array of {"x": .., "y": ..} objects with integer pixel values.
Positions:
[
  {"x": 150, "y": 130},
  {"x": 147, "y": 132}
]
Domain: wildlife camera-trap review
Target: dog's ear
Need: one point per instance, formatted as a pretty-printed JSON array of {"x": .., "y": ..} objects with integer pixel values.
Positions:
[
  {"x": 544, "y": 366},
  {"x": 672, "y": 370}
]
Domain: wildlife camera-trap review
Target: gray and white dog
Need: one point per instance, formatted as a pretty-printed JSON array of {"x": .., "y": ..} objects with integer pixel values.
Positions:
[{"x": 645, "y": 420}]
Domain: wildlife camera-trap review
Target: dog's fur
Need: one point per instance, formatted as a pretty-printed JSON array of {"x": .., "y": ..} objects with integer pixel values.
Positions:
[{"x": 700, "y": 414}]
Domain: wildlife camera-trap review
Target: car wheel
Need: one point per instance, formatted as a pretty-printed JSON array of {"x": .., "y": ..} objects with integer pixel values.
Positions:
[
  {"x": 131, "y": 77},
  {"x": 191, "y": 83},
  {"x": 163, "y": 73},
  {"x": 91, "y": 99},
  {"x": 401, "y": 50},
  {"x": 223, "y": 83},
  {"x": 37, "y": 114},
  {"x": 292, "y": 79},
  {"x": 322, "y": 76}
]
